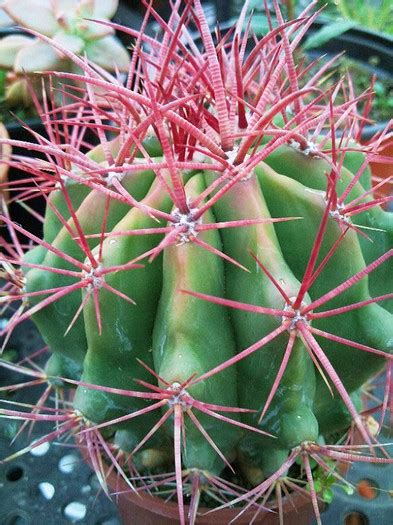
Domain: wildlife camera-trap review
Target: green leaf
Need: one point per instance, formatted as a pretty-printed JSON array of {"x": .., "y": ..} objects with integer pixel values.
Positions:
[
  {"x": 105, "y": 10},
  {"x": 2, "y": 84},
  {"x": 317, "y": 485},
  {"x": 379, "y": 88},
  {"x": 10, "y": 47},
  {"x": 328, "y": 32},
  {"x": 10, "y": 355},
  {"x": 108, "y": 53},
  {"x": 32, "y": 15},
  {"x": 38, "y": 56},
  {"x": 260, "y": 24},
  {"x": 348, "y": 490},
  {"x": 70, "y": 42},
  {"x": 327, "y": 495}
]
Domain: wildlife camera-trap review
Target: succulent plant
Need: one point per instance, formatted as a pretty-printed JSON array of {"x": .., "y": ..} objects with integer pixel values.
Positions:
[
  {"x": 213, "y": 280},
  {"x": 67, "y": 22}
]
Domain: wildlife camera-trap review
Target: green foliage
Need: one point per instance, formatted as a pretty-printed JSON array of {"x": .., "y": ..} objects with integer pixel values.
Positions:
[
  {"x": 376, "y": 15},
  {"x": 328, "y": 32}
]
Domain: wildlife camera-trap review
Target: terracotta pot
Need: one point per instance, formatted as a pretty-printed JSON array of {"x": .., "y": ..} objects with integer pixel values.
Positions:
[
  {"x": 381, "y": 171},
  {"x": 144, "y": 509}
]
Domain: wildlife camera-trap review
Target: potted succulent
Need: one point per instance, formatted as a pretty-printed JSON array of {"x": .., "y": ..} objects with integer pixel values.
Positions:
[
  {"x": 212, "y": 277},
  {"x": 22, "y": 54}
]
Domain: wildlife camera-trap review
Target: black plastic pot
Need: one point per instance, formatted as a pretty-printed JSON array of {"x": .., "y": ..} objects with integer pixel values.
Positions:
[
  {"x": 363, "y": 45},
  {"x": 372, "y": 50},
  {"x": 161, "y": 6},
  {"x": 128, "y": 16},
  {"x": 17, "y": 132}
]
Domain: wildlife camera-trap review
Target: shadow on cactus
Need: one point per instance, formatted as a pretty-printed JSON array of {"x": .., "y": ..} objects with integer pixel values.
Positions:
[{"x": 213, "y": 278}]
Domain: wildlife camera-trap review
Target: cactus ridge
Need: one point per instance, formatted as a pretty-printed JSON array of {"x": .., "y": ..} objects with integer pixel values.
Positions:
[{"x": 213, "y": 277}]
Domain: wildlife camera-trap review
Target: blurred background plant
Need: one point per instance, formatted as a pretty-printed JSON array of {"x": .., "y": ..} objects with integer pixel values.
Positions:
[
  {"x": 342, "y": 15},
  {"x": 372, "y": 18},
  {"x": 373, "y": 14},
  {"x": 66, "y": 21}
]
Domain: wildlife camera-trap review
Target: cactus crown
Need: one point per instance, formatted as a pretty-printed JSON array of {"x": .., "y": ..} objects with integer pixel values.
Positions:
[{"x": 211, "y": 279}]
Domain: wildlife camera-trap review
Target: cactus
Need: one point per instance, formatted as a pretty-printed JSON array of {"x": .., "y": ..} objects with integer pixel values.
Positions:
[
  {"x": 67, "y": 22},
  {"x": 205, "y": 279}
]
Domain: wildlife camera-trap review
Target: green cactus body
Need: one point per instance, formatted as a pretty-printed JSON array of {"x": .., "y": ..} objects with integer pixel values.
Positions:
[
  {"x": 52, "y": 225},
  {"x": 372, "y": 325},
  {"x": 311, "y": 171},
  {"x": 182, "y": 348},
  {"x": 126, "y": 328},
  {"x": 245, "y": 200},
  {"x": 179, "y": 336},
  {"x": 333, "y": 415},
  {"x": 55, "y": 319},
  {"x": 150, "y": 144}
]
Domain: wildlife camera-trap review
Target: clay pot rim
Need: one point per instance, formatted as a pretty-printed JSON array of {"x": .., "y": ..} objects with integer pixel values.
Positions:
[
  {"x": 169, "y": 509},
  {"x": 297, "y": 503}
]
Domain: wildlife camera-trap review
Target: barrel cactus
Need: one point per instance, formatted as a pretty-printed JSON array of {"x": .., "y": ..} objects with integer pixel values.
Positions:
[{"x": 214, "y": 277}]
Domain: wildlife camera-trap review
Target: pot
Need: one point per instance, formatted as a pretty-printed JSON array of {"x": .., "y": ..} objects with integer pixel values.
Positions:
[
  {"x": 142, "y": 508},
  {"x": 382, "y": 170},
  {"x": 372, "y": 50},
  {"x": 17, "y": 132}
]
